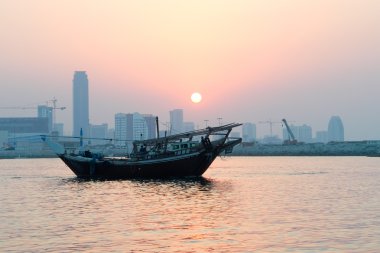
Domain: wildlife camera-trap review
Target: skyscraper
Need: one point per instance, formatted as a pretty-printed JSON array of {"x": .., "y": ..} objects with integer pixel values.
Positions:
[
  {"x": 123, "y": 121},
  {"x": 46, "y": 112},
  {"x": 176, "y": 121},
  {"x": 134, "y": 126},
  {"x": 80, "y": 104},
  {"x": 151, "y": 124},
  {"x": 335, "y": 129}
]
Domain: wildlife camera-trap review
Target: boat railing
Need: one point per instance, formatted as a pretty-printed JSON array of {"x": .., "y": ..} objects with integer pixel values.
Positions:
[{"x": 164, "y": 154}]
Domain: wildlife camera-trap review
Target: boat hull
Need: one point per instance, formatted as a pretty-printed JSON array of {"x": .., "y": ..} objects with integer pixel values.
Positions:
[
  {"x": 173, "y": 156},
  {"x": 190, "y": 165}
]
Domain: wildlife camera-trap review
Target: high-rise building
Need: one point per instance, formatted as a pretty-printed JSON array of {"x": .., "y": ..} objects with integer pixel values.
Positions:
[
  {"x": 176, "y": 121},
  {"x": 305, "y": 134},
  {"x": 129, "y": 127},
  {"x": 80, "y": 104},
  {"x": 249, "y": 132},
  {"x": 335, "y": 129},
  {"x": 46, "y": 112},
  {"x": 140, "y": 128},
  {"x": 301, "y": 133},
  {"x": 151, "y": 125},
  {"x": 121, "y": 120}
]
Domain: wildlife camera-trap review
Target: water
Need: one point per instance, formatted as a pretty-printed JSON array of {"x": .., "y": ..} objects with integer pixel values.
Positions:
[{"x": 243, "y": 204}]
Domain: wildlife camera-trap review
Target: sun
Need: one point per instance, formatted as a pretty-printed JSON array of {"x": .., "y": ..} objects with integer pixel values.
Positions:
[{"x": 196, "y": 97}]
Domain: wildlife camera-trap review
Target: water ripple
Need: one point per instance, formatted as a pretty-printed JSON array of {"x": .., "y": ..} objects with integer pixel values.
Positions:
[{"x": 282, "y": 204}]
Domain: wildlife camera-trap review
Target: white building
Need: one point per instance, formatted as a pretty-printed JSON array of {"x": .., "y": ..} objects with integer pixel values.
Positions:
[
  {"x": 139, "y": 127},
  {"x": 249, "y": 132},
  {"x": 44, "y": 111},
  {"x": 130, "y": 127},
  {"x": 335, "y": 129},
  {"x": 301, "y": 133},
  {"x": 151, "y": 125},
  {"x": 176, "y": 121},
  {"x": 121, "y": 128},
  {"x": 305, "y": 134}
]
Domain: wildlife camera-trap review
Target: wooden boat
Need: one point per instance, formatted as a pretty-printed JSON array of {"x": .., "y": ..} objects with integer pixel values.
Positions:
[{"x": 182, "y": 155}]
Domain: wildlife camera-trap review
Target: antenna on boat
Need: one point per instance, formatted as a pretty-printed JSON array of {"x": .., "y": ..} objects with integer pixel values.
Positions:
[{"x": 158, "y": 128}]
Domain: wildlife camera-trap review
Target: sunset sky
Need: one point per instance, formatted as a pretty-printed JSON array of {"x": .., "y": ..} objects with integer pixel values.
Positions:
[{"x": 252, "y": 60}]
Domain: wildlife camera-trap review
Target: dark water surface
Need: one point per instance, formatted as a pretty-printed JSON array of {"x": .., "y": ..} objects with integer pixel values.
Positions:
[{"x": 243, "y": 204}]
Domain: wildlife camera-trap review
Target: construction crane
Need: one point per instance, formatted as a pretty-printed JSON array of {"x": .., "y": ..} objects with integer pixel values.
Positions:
[
  {"x": 292, "y": 139},
  {"x": 271, "y": 123},
  {"x": 54, "y": 107},
  {"x": 54, "y": 102}
]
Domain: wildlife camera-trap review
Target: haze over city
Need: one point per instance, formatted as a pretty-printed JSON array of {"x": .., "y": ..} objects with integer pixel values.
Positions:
[{"x": 251, "y": 60}]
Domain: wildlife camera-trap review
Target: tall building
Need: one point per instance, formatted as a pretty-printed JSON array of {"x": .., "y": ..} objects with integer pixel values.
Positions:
[
  {"x": 335, "y": 129},
  {"x": 301, "y": 133},
  {"x": 305, "y": 134},
  {"x": 151, "y": 124},
  {"x": 81, "y": 116},
  {"x": 121, "y": 122},
  {"x": 176, "y": 121},
  {"x": 129, "y": 127},
  {"x": 249, "y": 132},
  {"x": 46, "y": 112},
  {"x": 140, "y": 127}
]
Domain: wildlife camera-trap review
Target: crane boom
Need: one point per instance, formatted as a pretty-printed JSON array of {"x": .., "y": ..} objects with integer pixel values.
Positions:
[
  {"x": 293, "y": 139},
  {"x": 53, "y": 108}
]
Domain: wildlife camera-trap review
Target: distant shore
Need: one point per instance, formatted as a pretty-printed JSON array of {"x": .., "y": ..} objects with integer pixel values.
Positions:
[
  {"x": 354, "y": 148},
  {"x": 14, "y": 154}
]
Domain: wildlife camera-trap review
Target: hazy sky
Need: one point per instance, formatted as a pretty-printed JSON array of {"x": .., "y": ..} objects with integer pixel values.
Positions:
[{"x": 252, "y": 60}]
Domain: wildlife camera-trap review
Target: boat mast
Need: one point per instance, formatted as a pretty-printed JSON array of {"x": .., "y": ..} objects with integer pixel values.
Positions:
[{"x": 158, "y": 128}]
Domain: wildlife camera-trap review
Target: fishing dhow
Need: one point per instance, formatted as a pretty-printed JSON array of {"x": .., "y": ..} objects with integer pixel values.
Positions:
[{"x": 187, "y": 154}]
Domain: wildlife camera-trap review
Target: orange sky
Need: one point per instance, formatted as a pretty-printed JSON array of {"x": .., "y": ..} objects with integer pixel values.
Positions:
[{"x": 251, "y": 60}]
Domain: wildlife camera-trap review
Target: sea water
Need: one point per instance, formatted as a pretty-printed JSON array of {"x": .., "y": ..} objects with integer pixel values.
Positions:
[{"x": 242, "y": 204}]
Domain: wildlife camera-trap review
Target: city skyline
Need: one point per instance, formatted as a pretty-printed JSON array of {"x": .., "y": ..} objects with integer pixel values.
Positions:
[
  {"x": 80, "y": 90},
  {"x": 134, "y": 126},
  {"x": 250, "y": 60}
]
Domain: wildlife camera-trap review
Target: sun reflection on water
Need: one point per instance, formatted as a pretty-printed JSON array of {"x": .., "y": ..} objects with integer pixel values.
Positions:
[{"x": 240, "y": 205}]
